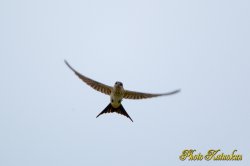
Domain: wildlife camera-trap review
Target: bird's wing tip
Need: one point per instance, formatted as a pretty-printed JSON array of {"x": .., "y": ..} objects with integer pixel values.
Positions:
[
  {"x": 177, "y": 91},
  {"x": 172, "y": 92},
  {"x": 66, "y": 62}
]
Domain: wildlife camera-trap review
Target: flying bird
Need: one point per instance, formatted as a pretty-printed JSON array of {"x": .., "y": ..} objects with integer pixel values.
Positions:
[{"x": 116, "y": 93}]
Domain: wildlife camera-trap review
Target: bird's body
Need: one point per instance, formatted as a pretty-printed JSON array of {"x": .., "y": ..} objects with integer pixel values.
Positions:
[{"x": 116, "y": 93}]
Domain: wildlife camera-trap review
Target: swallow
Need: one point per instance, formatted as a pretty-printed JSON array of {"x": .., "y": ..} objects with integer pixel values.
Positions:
[{"x": 117, "y": 93}]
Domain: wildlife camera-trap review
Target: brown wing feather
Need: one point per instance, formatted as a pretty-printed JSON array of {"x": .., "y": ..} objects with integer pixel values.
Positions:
[
  {"x": 139, "y": 95},
  {"x": 94, "y": 84}
]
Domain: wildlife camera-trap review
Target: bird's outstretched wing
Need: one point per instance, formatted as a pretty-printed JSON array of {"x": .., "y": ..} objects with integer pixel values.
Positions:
[
  {"x": 138, "y": 95},
  {"x": 94, "y": 84}
]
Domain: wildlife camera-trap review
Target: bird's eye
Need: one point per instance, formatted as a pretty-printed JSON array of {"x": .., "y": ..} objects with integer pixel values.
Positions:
[{"x": 121, "y": 84}]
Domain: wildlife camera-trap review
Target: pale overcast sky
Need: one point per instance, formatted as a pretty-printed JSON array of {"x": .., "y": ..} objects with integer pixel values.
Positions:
[{"x": 48, "y": 116}]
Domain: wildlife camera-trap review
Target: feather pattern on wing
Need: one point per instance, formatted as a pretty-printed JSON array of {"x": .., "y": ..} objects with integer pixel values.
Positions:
[
  {"x": 139, "y": 95},
  {"x": 94, "y": 84}
]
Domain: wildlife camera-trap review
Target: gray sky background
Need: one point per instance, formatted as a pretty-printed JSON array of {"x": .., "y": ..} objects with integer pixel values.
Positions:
[{"x": 47, "y": 115}]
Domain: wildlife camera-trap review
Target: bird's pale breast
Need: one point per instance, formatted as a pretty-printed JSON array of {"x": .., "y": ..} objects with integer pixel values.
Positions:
[{"x": 116, "y": 97}]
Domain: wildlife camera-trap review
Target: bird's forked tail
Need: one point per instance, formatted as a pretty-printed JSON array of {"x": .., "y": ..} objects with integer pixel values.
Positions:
[{"x": 111, "y": 109}]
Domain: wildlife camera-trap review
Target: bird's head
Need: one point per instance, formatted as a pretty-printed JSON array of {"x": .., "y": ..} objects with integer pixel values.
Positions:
[{"x": 118, "y": 84}]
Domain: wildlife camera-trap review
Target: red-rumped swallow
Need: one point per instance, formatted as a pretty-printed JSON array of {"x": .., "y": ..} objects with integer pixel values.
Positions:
[{"x": 116, "y": 93}]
